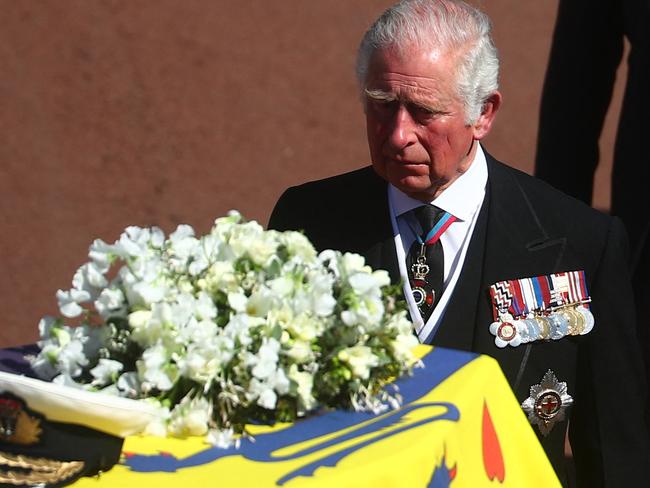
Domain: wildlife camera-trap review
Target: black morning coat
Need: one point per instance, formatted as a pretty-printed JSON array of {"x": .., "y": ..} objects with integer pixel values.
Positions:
[{"x": 525, "y": 228}]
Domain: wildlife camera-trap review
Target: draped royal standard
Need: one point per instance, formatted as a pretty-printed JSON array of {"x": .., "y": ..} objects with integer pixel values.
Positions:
[{"x": 459, "y": 425}]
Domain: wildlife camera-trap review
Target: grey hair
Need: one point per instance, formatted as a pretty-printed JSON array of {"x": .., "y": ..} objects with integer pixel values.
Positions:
[{"x": 451, "y": 25}]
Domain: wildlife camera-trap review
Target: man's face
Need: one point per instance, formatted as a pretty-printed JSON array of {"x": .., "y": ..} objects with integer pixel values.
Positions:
[{"x": 417, "y": 134}]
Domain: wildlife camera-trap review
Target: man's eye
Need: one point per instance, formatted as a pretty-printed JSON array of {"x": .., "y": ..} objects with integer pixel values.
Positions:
[
  {"x": 423, "y": 113},
  {"x": 383, "y": 106}
]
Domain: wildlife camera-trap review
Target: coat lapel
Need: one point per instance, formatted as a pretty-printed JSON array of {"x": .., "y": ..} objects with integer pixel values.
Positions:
[
  {"x": 517, "y": 245},
  {"x": 454, "y": 332}
]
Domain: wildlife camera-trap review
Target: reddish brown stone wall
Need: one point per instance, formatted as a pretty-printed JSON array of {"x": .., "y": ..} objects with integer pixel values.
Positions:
[{"x": 160, "y": 112}]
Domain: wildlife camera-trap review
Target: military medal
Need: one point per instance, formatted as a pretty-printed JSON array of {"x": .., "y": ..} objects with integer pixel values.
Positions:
[
  {"x": 547, "y": 403},
  {"x": 541, "y": 308},
  {"x": 420, "y": 270},
  {"x": 589, "y": 319},
  {"x": 423, "y": 294}
]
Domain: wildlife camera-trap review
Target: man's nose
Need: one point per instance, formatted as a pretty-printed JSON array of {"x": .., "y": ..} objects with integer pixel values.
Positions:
[{"x": 402, "y": 132}]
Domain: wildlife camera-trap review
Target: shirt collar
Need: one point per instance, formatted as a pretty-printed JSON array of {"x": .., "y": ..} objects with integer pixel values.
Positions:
[{"x": 461, "y": 198}]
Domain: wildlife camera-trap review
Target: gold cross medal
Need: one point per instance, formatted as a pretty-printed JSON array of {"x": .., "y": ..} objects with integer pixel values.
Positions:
[{"x": 547, "y": 403}]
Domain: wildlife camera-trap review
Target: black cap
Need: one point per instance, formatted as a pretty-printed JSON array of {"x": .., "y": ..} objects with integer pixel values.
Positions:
[{"x": 35, "y": 451}]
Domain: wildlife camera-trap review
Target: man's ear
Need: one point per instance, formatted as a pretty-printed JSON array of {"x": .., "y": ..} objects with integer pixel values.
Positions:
[{"x": 483, "y": 124}]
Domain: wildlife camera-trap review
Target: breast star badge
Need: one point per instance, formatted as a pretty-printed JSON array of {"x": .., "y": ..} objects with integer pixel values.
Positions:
[{"x": 547, "y": 403}]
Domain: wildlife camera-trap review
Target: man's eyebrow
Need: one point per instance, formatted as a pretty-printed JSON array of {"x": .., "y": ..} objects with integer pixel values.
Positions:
[{"x": 380, "y": 95}]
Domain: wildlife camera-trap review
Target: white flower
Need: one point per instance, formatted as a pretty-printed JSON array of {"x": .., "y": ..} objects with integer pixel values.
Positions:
[
  {"x": 101, "y": 255},
  {"x": 158, "y": 425},
  {"x": 237, "y": 301},
  {"x": 221, "y": 438},
  {"x": 300, "y": 352},
  {"x": 129, "y": 385},
  {"x": 360, "y": 359},
  {"x": 298, "y": 245},
  {"x": 190, "y": 417},
  {"x": 69, "y": 302},
  {"x": 239, "y": 328},
  {"x": 267, "y": 359},
  {"x": 264, "y": 394},
  {"x": 305, "y": 327},
  {"x": 261, "y": 302},
  {"x": 155, "y": 369},
  {"x": 105, "y": 371},
  {"x": 303, "y": 383},
  {"x": 90, "y": 279},
  {"x": 111, "y": 303},
  {"x": 71, "y": 359}
]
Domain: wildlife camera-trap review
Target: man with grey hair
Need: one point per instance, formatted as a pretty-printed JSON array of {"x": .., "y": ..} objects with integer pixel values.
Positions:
[{"x": 491, "y": 259}]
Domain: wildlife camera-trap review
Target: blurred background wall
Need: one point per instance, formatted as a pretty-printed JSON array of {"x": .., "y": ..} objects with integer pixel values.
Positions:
[{"x": 161, "y": 112}]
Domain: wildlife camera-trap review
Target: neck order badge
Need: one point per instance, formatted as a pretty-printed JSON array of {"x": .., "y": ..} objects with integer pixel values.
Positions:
[{"x": 425, "y": 260}]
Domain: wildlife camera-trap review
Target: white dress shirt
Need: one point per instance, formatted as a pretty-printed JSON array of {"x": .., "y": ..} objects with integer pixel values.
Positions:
[{"x": 463, "y": 200}]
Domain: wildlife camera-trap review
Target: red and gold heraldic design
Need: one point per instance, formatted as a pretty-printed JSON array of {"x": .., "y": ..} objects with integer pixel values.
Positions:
[{"x": 460, "y": 426}]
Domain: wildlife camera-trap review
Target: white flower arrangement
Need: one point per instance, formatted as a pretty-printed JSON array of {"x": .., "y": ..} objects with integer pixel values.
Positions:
[{"x": 239, "y": 325}]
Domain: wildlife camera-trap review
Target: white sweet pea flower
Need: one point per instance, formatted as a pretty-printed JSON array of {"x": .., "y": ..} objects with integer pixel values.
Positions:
[
  {"x": 263, "y": 393},
  {"x": 156, "y": 370},
  {"x": 149, "y": 328},
  {"x": 158, "y": 426},
  {"x": 330, "y": 259},
  {"x": 203, "y": 361},
  {"x": 71, "y": 359},
  {"x": 183, "y": 246},
  {"x": 111, "y": 303},
  {"x": 360, "y": 359},
  {"x": 362, "y": 283},
  {"x": 139, "y": 319},
  {"x": 204, "y": 254},
  {"x": 306, "y": 328},
  {"x": 133, "y": 242},
  {"x": 321, "y": 300},
  {"x": 205, "y": 307},
  {"x": 353, "y": 263},
  {"x": 279, "y": 381},
  {"x": 251, "y": 240},
  {"x": 223, "y": 438},
  {"x": 300, "y": 352},
  {"x": 267, "y": 359},
  {"x": 105, "y": 372},
  {"x": 220, "y": 276},
  {"x": 239, "y": 328},
  {"x": 261, "y": 302},
  {"x": 90, "y": 279},
  {"x": 183, "y": 309},
  {"x": 237, "y": 301},
  {"x": 403, "y": 346},
  {"x": 303, "y": 383},
  {"x": 101, "y": 254},
  {"x": 69, "y": 302},
  {"x": 44, "y": 364},
  {"x": 150, "y": 292},
  {"x": 282, "y": 286},
  {"x": 298, "y": 245},
  {"x": 129, "y": 385},
  {"x": 190, "y": 417}
]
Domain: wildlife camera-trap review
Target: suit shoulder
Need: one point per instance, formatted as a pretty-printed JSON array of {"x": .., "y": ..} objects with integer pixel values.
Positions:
[
  {"x": 344, "y": 180},
  {"x": 325, "y": 199},
  {"x": 555, "y": 202}
]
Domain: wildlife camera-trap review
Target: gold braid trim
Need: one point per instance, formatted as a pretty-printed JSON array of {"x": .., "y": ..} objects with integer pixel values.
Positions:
[{"x": 38, "y": 470}]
